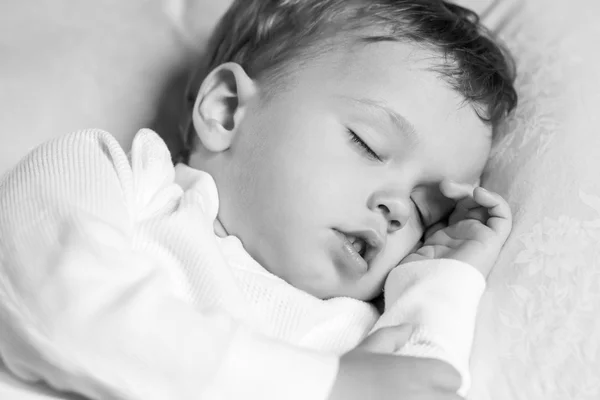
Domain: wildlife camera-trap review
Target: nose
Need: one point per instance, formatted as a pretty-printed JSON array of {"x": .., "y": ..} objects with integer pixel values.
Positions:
[{"x": 393, "y": 207}]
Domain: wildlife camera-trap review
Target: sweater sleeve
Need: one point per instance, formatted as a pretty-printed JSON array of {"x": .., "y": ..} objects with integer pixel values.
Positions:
[
  {"x": 439, "y": 298},
  {"x": 85, "y": 313}
]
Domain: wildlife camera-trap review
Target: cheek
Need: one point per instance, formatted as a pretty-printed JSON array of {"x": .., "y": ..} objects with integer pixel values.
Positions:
[
  {"x": 303, "y": 172},
  {"x": 276, "y": 186}
]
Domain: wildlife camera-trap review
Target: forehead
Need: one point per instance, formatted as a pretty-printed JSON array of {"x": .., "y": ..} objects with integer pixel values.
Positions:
[{"x": 402, "y": 77}]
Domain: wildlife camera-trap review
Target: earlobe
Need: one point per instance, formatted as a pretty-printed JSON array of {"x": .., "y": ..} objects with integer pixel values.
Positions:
[{"x": 220, "y": 106}]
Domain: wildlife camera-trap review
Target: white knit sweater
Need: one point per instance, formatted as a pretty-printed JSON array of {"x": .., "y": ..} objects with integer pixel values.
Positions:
[{"x": 114, "y": 285}]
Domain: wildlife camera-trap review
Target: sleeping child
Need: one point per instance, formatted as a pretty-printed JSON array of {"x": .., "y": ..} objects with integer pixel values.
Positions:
[{"x": 333, "y": 155}]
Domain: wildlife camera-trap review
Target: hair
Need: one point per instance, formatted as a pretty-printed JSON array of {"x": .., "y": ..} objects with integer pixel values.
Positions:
[{"x": 267, "y": 37}]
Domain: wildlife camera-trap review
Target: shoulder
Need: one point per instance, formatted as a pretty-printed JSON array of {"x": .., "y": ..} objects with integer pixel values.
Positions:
[
  {"x": 86, "y": 170},
  {"x": 77, "y": 153},
  {"x": 91, "y": 153}
]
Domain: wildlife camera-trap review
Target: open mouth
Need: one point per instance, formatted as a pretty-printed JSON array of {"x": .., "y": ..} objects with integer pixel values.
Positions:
[
  {"x": 359, "y": 244},
  {"x": 353, "y": 250},
  {"x": 359, "y": 248}
]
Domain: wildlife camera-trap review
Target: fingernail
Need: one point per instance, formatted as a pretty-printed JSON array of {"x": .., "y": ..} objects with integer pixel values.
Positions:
[{"x": 485, "y": 191}]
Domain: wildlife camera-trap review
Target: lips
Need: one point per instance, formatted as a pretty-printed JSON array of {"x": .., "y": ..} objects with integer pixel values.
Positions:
[
  {"x": 350, "y": 256},
  {"x": 359, "y": 244}
]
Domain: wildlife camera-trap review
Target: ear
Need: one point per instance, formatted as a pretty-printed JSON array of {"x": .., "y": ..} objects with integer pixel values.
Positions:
[{"x": 220, "y": 105}]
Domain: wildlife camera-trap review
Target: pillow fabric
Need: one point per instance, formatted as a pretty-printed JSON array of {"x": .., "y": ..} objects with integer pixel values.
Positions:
[
  {"x": 71, "y": 65},
  {"x": 538, "y": 335}
]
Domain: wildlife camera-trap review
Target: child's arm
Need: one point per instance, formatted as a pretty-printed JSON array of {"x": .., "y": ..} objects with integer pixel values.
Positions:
[
  {"x": 437, "y": 289},
  {"x": 80, "y": 310},
  {"x": 439, "y": 299}
]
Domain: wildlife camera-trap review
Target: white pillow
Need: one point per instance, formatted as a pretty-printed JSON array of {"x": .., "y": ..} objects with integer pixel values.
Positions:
[
  {"x": 69, "y": 65},
  {"x": 538, "y": 336}
]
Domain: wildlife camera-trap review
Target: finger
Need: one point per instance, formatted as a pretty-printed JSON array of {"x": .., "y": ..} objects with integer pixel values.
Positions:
[
  {"x": 433, "y": 229},
  {"x": 479, "y": 214},
  {"x": 387, "y": 340},
  {"x": 497, "y": 206},
  {"x": 500, "y": 216},
  {"x": 445, "y": 376},
  {"x": 441, "y": 238},
  {"x": 478, "y": 206},
  {"x": 454, "y": 190},
  {"x": 463, "y": 195},
  {"x": 465, "y": 208}
]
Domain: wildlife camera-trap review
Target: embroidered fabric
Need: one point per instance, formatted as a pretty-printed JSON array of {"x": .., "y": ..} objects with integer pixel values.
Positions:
[{"x": 538, "y": 334}]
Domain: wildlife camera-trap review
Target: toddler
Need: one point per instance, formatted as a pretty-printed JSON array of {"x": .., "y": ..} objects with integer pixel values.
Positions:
[{"x": 333, "y": 152}]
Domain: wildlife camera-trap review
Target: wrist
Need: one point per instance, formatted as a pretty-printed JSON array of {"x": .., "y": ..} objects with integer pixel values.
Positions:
[{"x": 482, "y": 258}]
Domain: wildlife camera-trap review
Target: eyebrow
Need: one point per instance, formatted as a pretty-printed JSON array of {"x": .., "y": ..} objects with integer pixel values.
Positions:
[{"x": 401, "y": 123}]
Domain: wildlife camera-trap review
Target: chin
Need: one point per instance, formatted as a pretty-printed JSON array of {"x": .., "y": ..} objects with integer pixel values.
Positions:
[
  {"x": 326, "y": 281},
  {"x": 353, "y": 291},
  {"x": 320, "y": 291}
]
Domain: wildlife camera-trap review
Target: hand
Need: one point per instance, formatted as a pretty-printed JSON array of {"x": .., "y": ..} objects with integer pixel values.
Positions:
[
  {"x": 475, "y": 232},
  {"x": 366, "y": 376}
]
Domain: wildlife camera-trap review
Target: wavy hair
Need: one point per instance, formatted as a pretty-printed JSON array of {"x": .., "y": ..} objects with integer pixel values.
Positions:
[{"x": 266, "y": 37}]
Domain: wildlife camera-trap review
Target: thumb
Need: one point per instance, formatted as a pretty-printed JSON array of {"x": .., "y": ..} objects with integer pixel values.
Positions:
[
  {"x": 433, "y": 229},
  {"x": 387, "y": 340}
]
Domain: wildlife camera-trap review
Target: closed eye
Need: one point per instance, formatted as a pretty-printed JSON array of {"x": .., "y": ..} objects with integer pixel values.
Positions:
[{"x": 357, "y": 141}]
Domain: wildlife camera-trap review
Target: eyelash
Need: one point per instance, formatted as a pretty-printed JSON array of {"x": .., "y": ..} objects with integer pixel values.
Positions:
[
  {"x": 372, "y": 155},
  {"x": 363, "y": 146}
]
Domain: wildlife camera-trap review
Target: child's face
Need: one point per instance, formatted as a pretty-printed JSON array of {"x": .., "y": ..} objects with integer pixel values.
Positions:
[{"x": 294, "y": 182}]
